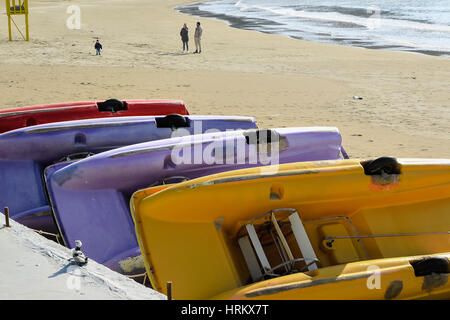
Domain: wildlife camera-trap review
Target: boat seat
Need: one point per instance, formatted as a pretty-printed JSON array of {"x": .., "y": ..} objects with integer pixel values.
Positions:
[{"x": 261, "y": 261}]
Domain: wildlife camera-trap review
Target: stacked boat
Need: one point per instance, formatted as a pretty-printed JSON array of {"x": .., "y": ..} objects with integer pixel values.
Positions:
[{"x": 224, "y": 209}]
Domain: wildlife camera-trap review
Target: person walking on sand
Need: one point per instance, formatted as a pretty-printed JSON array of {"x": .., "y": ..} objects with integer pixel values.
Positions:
[
  {"x": 198, "y": 38},
  {"x": 185, "y": 37},
  {"x": 98, "y": 48}
]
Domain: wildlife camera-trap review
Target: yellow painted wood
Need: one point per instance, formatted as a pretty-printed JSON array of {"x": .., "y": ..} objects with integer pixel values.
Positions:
[
  {"x": 19, "y": 7},
  {"x": 9, "y": 28},
  {"x": 187, "y": 231}
]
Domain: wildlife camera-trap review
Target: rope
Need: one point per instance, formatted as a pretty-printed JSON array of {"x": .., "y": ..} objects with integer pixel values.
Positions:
[
  {"x": 388, "y": 235},
  {"x": 138, "y": 276},
  {"x": 57, "y": 236}
]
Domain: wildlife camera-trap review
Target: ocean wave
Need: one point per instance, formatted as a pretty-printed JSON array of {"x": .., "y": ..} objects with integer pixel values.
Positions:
[
  {"x": 413, "y": 25},
  {"x": 374, "y": 20}
]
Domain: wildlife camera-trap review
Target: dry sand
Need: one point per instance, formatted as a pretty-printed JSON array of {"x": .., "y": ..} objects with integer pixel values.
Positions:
[{"x": 278, "y": 80}]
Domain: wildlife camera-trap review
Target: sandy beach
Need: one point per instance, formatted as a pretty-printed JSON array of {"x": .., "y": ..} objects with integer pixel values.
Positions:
[{"x": 405, "y": 111}]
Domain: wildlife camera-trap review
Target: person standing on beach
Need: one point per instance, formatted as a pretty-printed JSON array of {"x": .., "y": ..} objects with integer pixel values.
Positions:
[
  {"x": 98, "y": 48},
  {"x": 198, "y": 38},
  {"x": 185, "y": 37}
]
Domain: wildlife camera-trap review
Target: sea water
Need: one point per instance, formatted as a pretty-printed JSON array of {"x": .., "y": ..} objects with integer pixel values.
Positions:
[{"x": 412, "y": 25}]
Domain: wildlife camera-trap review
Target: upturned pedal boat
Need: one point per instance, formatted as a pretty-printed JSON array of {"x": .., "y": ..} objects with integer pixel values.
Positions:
[
  {"x": 16, "y": 118},
  {"x": 26, "y": 152},
  {"x": 90, "y": 198},
  {"x": 341, "y": 229}
]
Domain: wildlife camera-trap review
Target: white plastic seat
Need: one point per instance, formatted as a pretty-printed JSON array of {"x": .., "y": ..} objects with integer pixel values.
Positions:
[{"x": 255, "y": 257}]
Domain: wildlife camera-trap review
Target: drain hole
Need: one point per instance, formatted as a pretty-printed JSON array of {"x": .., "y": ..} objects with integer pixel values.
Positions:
[
  {"x": 31, "y": 122},
  {"x": 80, "y": 139},
  {"x": 276, "y": 191}
]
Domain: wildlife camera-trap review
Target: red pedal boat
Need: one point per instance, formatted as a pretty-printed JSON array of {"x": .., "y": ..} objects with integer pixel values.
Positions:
[{"x": 15, "y": 118}]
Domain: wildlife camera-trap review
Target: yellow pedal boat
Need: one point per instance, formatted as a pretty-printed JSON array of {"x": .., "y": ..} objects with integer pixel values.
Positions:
[{"x": 340, "y": 229}]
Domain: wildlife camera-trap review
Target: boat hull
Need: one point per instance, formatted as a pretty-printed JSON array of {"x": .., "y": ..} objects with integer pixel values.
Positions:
[
  {"x": 382, "y": 279},
  {"x": 26, "y": 152},
  {"x": 91, "y": 197},
  {"x": 15, "y": 118}
]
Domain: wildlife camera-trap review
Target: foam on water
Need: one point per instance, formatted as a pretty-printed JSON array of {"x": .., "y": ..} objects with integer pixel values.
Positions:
[{"x": 413, "y": 25}]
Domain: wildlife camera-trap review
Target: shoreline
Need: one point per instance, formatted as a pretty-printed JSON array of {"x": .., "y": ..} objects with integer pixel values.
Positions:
[{"x": 253, "y": 24}]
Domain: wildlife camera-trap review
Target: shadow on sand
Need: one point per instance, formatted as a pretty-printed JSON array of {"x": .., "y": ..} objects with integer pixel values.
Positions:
[
  {"x": 70, "y": 267},
  {"x": 174, "y": 54}
]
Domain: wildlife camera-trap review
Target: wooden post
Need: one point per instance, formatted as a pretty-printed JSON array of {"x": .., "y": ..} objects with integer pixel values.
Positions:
[
  {"x": 9, "y": 28},
  {"x": 27, "y": 30},
  {"x": 169, "y": 290},
  {"x": 7, "y": 217},
  {"x": 8, "y": 8}
]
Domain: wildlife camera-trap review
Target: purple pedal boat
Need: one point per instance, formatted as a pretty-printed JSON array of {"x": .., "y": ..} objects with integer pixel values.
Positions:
[
  {"x": 26, "y": 152},
  {"x": 90, "y": 198}
]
